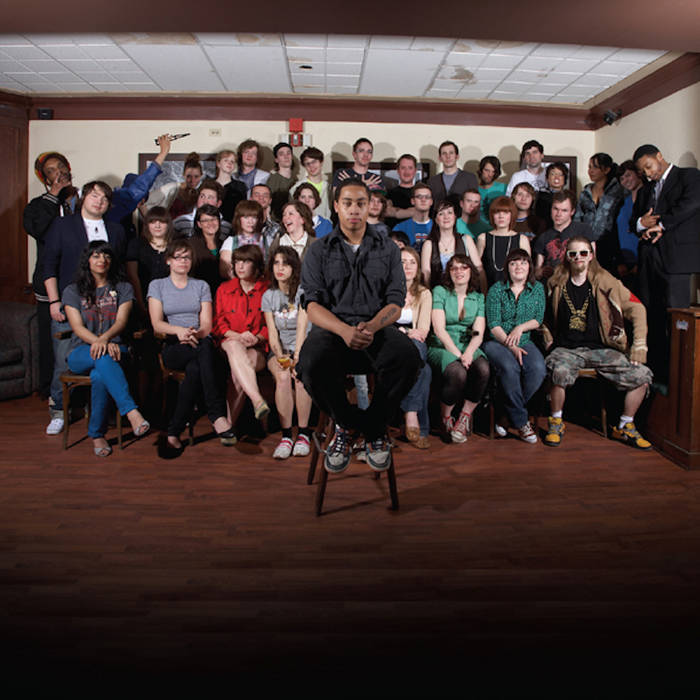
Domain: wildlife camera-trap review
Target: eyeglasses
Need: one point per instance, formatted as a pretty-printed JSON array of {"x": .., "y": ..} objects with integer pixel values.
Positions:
[{"x": 573, "y": 254}]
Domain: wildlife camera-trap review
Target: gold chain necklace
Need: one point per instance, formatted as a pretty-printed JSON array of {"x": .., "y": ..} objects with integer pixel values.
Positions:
[{"x": 577, "y": 322}]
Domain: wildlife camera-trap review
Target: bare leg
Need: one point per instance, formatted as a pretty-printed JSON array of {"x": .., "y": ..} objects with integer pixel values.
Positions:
[
  {"x": 236, "y": 398},
  {"x": 633, "y": 400},
  {"x": 244, "y": 363},
  {"x": 303, "y": 404},
  {"x": 284, "y": 399},
  {"x": 557, "y": 394},
  {"x": 445, "y": 410},
  {"x": 411, "y": 419}
]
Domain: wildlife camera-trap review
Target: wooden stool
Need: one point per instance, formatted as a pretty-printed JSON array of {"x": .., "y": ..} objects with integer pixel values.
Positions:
[
  {"x": 320, "y": 438},
  {"x": 69, "y": 381}
]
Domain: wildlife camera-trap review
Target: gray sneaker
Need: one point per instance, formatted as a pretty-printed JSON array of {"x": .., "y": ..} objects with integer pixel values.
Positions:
[
  {"x": 379, "y": 453},
  {"x": 55, "y": 426},
  {"x": 338, "y": 451}
]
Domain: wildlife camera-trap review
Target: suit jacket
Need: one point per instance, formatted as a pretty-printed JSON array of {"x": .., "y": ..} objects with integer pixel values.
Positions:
[
  {"x": 462, "y": 182},
  {"x": 65, "y": 243},
  {"x": 679, "y": 208}
]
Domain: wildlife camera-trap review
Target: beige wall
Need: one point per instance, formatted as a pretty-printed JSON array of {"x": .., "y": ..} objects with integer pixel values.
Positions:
[
  {"x": 670, "y": 124},
  {"x": 108, "y": 150}
]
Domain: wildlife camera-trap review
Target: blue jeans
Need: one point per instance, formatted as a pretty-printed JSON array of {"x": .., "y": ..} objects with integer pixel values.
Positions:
[
  {"x": 107, "y": 379},
  {"x": 417, "y": 397},
  {"x": 61, "y": 348},
  {"x": 519, "y": 384}
]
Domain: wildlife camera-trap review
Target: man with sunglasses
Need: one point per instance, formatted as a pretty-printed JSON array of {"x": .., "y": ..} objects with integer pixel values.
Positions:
[{"x": 585, "y": 323}]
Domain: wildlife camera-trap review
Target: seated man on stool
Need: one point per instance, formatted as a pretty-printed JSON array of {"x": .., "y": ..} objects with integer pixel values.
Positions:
[
  {"x": 354, "y": 290},
  {"x": 585, "y": 319}
]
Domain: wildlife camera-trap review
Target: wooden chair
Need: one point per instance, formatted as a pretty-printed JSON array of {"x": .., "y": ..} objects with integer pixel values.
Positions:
[{"x": 68, "y": 382}]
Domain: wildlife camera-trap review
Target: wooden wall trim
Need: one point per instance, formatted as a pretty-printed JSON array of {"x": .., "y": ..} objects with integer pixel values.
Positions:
[{"x": 311, "y": 109}]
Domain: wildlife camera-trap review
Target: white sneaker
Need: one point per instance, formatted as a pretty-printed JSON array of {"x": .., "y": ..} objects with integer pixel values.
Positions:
[
  {"x": 55, "y": 426},
  {"x": 527, "y": 434},
  {"x": 284, "y": 449},
  {"x": 302, "y": 446},
  {"x": 500, "y": 430}
]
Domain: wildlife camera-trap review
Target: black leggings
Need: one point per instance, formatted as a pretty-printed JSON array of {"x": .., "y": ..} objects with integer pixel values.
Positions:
[
  {"x": 461, "y": 384},
  {"x": 200, "y": 375}
]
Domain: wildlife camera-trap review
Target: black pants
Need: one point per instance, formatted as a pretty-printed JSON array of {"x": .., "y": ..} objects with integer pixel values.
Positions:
[
  {"x": 46, "y": 360},
  {"x": 326, "y": 360},
  {"x": 660, "y": 291},
  {"x": 199, "y": 364}
]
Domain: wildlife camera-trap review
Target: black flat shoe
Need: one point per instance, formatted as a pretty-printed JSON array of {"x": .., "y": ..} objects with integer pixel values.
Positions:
[
  {"x": 228, "y": 437},
  {"x": 168, "y": 451}
]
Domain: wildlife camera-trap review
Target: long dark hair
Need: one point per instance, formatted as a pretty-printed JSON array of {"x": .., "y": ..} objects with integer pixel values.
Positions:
[
  {"x": 84, "y": 278},
  {"x": 291, "y": 258},
  {"x": 197, "y": 234},
  {"x": 604, "y": 160},
  {"x": 434, "y": 238},
  {"x": 158, "y": 214}
]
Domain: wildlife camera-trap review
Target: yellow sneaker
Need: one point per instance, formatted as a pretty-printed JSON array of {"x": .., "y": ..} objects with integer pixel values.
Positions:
[
  {"x": 630, "y": 435},
  {"x": 555, "y": 431}
]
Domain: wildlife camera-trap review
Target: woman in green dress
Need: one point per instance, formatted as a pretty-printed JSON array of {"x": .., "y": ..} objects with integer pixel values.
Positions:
[{"x": 454, "y": 350}]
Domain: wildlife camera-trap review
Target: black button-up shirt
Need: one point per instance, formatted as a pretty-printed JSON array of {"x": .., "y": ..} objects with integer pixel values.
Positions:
[{"x": 353, "y": 286}]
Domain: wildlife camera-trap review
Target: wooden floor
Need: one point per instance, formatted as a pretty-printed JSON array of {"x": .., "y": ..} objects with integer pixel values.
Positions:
[{"x": 503, "y": 557}]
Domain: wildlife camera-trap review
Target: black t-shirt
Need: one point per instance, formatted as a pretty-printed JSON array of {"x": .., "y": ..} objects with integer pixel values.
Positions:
[
  {"x": 151, "y": 263},
  {"x": 552, "y": 243},
  {"x": 571, "y": 338},
  {"x": 400, "y": 197}
]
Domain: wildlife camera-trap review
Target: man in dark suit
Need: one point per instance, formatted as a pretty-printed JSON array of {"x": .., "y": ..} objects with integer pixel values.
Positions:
[
  {"x": 452, "y": 182},
  {"x": 666, "y": 216},
  {"x": 65, "y": 242}
]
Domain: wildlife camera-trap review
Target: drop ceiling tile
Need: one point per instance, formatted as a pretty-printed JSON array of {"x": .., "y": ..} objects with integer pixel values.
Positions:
[
  {"x": 620, "y": 68},
  {"x": 307, "y": 79},
  {"x": 260, "y": 39},
  {"x": 306, "y": 55},
  {"x": 540, "y": 63},
  {"x": 109, "y": 87},
  {"x": 214, "y": 39},
  {"x": 345, "y": 55},
  {"x": 394, "y": 72},
  {"x": 125, "y": 64},
  {"x": 636, "y": 55},
  {"x": 473, "y": 46},
  {"x": 515, "y": 86},
  {"x": 391, "y": 42},
  {"x": 515, "y": 47},
  {"x": 24, "y": 52},
  {"x": 181, "y": 67},
  {"x": 343, "y": 90},
  {"x": 104, "y": 52},
  {"x": 343, "y": 41},
  {"x": 101, "y": 77},
  {"x": 135, "y": 76},
  {"x": 435, "y": 92},
  {"x": 496, "y": 60},
  {"x": 556, "y": 81},
  {"x": 13, "y": 40},
  {"x": 426, "y": 43},
  {"x": 248, "y": 68},
  {"x": 555, "y": 50},
  {"x": 347, "y": 80},
  {"x": 295, "y": 40},
  {"x": 141, "y": 87},
  {"x": 447, "y": 84},
  {"x": 93, "y": 40},
  {"x": 61, "y": 76},
  {"x": 468, "y": 61},
  {"x": 81, "y": 66},
  {"x": 343, "y": 68},
  {"x": 474, "y": 92},
  {"x": 527, "y": 76},
  {"x": 309, "y": 89},
  {"x": 599, "y": 52},
  {"x": 42, "y": 64},
  {"x": 76, "y": 87},
  {"x": 491, "y": 73},
  {"x": 578, "y": 65},
  {"x": 66, "y": 52},
  {"x": 7, "y": 64}
]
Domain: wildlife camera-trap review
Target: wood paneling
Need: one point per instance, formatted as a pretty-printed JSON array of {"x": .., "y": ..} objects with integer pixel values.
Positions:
[{"x": 13, "y": 196}]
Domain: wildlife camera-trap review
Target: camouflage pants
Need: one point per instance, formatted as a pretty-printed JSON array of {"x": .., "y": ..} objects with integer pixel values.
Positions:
[{"x": 563, "y": 365}]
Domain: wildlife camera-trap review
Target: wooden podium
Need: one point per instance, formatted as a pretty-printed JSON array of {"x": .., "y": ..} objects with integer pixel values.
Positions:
[{"x": 674, "y": 420}]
